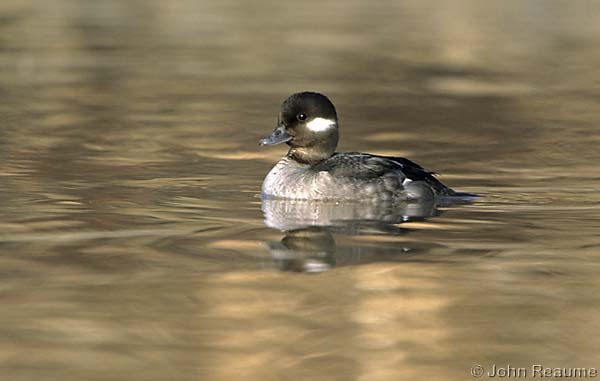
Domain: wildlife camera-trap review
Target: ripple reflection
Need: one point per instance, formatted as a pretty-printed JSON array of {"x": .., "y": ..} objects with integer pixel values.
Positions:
[{"x": 308, "y": 244}]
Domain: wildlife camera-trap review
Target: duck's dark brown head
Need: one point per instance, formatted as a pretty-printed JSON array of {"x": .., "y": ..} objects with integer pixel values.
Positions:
[{"x": 308, "y": 124}]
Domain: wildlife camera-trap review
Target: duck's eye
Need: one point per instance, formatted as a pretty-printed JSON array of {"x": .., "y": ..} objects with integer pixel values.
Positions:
[{"x": 301, "y": 116}]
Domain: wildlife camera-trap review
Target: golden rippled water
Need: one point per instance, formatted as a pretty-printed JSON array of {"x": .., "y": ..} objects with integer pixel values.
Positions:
[{"x": 134, "y": 244}]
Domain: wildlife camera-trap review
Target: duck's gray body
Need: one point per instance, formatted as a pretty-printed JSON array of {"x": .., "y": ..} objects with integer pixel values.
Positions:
[{"x": 353, "y": 176}]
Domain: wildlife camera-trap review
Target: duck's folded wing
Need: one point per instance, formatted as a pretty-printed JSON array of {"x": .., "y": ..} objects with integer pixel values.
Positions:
[
  {"x": 356, "y": 165},
  {"x": 366, "y": 166}
]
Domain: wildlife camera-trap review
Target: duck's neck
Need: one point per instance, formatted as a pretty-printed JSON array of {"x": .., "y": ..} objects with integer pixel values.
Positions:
[{"x": 306, "y": 155}]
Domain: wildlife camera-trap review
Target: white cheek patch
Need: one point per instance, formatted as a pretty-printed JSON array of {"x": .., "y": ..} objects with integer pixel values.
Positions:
[{"x": 320, "y": 124}]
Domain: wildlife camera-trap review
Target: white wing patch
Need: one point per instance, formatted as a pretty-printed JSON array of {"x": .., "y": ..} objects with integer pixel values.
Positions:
[{"x": 320, "y": 124}]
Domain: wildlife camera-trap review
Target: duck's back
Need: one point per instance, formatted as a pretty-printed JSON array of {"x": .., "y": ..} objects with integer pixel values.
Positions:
[{"x": 353, "y": 176}]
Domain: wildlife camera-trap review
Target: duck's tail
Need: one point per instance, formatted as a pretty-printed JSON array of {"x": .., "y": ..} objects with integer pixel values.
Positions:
[{"x": 453, "y": 197}]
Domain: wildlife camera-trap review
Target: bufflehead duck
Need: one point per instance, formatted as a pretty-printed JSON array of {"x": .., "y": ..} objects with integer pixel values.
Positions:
[{"x": 312, "y": 170}]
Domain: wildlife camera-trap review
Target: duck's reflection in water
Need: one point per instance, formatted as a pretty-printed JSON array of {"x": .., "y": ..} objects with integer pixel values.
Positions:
[{"x": 308, "y": 244}]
